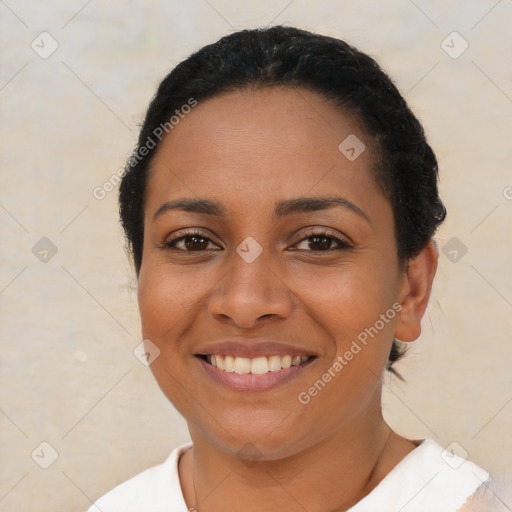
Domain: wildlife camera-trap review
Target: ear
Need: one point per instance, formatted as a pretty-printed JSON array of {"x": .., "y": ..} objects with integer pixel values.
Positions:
[{"x": 414, "y": 293}]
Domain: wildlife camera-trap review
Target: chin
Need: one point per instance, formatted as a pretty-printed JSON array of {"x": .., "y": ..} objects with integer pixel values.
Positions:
[{"x": 260, "y": 435}]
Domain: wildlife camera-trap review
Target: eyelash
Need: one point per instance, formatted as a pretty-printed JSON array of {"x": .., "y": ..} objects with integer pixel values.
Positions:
[{"x": 342, "y": 244}]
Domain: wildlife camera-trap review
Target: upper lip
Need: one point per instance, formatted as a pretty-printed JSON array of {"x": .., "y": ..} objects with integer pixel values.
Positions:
[{"x": 251, "y": 347}]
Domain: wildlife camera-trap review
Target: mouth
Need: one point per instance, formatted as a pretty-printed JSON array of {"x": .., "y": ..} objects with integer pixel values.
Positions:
[
  {"x": 256, "y": 365},
  {"x": 253, "y": 373}
]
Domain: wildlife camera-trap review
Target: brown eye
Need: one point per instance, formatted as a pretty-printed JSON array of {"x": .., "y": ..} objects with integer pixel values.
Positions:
[
  {"x": 322, "y": 242},
  {"x": 192, "y": 242},
  {"x": 195, "y": 243}
]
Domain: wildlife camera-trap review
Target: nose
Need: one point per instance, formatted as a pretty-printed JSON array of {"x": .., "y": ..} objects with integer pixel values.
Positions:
[{"x": 250, "y": 294}]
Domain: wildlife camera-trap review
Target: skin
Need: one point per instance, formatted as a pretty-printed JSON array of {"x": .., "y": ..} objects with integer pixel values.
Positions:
[{"x": 248, "y": 150}]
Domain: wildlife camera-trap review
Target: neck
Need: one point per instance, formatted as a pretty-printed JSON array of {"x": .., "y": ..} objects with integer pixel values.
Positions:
[{"x": 331, "y": 475}]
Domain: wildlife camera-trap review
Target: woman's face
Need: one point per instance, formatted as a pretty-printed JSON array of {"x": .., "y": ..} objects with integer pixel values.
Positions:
[{"x": 261, "y": 279}]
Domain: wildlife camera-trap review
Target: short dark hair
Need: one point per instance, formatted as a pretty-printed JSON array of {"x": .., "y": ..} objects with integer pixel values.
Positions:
[{"x": 406, "y": 167}]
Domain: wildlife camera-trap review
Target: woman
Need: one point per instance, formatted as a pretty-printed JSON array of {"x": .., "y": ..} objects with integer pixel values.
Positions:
[{"x": 280, "y": 208}]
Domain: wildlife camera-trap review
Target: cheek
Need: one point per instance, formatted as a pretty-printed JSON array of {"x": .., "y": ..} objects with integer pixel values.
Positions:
[
  {"x": 347, "y": 301},
  {"x": 355, "y": 308},
  {"x": 165, "y": 299}
]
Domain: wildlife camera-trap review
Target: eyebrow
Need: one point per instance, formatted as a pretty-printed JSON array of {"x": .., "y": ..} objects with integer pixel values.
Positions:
[{"x": 282, "y": 209}]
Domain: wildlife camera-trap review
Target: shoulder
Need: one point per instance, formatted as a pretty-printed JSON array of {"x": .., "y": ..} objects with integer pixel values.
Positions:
[
  {"x": 152, "y": 490},
  {"x": 428, "y": 478},
  {"x": 451, "y": 477},
  {"x": 491, "y": 496}
]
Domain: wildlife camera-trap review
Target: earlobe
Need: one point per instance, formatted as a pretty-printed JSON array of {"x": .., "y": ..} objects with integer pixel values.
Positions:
[{"x": 414, "y": 293}]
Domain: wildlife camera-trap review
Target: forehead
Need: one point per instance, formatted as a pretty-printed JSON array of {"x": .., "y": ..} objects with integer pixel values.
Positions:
[{"x": 252, "y": 144}]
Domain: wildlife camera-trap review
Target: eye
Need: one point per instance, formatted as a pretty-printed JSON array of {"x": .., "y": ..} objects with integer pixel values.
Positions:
[
  {"x": 317, "y": 241},
  {"x": 323, "y": 241},
  {"x": 194, "y": 241}
]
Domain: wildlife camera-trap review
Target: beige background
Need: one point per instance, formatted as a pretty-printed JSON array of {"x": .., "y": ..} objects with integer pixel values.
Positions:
[{"x": 69, "y": 325}]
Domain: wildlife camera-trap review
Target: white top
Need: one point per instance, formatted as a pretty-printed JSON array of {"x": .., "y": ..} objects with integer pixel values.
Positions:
[{"x": 428, "y": 479}]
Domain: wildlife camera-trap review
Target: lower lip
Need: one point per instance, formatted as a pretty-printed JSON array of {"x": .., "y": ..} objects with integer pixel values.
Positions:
[{"x": 251, "y": 381}]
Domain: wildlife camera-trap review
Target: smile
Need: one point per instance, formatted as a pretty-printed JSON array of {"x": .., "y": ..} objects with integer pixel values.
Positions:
[
  {"x": 257, "y": 365},
  {"x": 253, "y": 374}
]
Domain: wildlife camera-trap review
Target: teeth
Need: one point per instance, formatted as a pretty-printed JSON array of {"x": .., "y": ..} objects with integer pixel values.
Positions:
[
  {"x": 286, "y": 362},
  {"x": 257, "y": 365},
  {"x": 229, "y": 364},
  {"x": 242, "y": 365},
  {"x": 274, "y": 363}
]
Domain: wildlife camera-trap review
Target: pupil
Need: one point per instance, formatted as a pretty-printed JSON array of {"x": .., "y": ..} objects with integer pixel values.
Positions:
[
  {"x": 198, "y": 243},
  {"x": 322, "y": 241}
]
